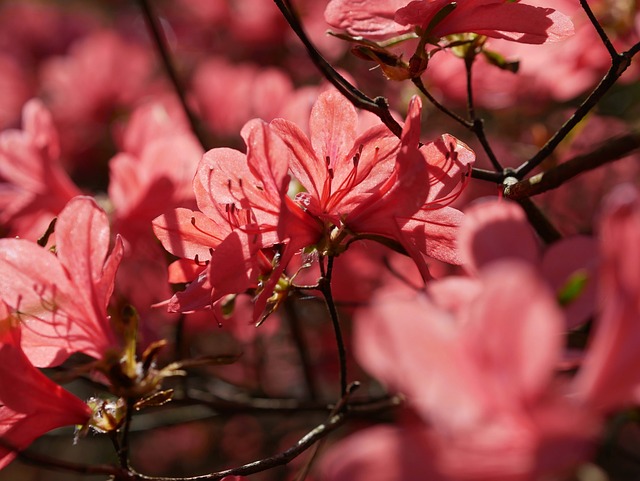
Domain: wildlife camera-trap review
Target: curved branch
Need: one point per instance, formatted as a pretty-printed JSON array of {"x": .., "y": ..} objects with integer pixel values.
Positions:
[
  {"x": 161, "y": 45},
  {"x": 378, "y": 106},
  {"x": 619, "y": 63}
]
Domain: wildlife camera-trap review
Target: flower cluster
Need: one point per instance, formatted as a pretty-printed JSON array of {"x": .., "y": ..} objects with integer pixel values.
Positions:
[{"x": 196, "y": 202}]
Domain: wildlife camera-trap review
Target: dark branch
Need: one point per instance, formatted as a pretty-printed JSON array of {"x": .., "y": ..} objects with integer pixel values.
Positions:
[
  {"x": 609, "y": 151},
  {"x": 161, "y": 45},
  {"x": 619, "y": 63},
  {"x": 377, "y": 106}
]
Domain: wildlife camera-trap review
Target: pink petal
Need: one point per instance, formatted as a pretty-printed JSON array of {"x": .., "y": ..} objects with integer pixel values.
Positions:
[
  {"x": 30, "y": 403},
  {"x": 413, "y": 346},
  {"x": 515, "y": 306},
  {"x": 33, "y": 282},
  {"x": 268, "y": 161},
  {"x": 611, "y": 370},
  {"x": 371, "y": 19},
  {"x": 496, "y": 229},
  {"x": 494, "y": 18},
  {"x": 434, "y": 232},
  {"x": 309, "y": 169},
  {"x": 333, "y": 125},
  {"x": 187, "y": 233},
  {"x": 381, "y": 453}
]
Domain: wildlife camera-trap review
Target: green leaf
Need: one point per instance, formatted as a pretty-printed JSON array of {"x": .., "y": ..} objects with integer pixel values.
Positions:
[{"x": 573, "y": 288}]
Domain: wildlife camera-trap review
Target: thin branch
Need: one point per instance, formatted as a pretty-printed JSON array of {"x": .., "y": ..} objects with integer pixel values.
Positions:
[
  {"x": 478, "y": 124},
  {"x": 488, "y": 175},
  {"x": 325, "y": 284},
  {"x": 619, "y": 63},
  {"x": 301, "y": 345},
  {"x": 417, "y": 81},
  {"x": 280, "y": 459},
  {"x": 603, "y": 35},
  {"x": 378, "y": 106},
  {"x": 545, "y": 229},
  {"x": 161, "y": 45},
  {"x": 123, "y": 450},
  {"x": 609, "y": 151}
]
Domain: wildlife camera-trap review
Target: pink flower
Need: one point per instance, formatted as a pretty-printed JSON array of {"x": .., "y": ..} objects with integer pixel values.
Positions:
[
  {"x": 371, "y": 185},
  {"x": 494, "y": 18},
  {"x": 610, "y": 376},
  {"x": 484, "y": 401},
  {"x": 33, "y": 185},
  {"x": 100, "y": 73},
  {"x": 239, "y": 198},
  {"x": 30, "y": 403},
  {"x": 228, "y": 95},
  {"x": 61, "y": 298},
  {"x": 495, "y": 230}
]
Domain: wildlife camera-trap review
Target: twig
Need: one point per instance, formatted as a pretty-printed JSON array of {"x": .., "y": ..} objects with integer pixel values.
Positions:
[
  {"x": 161, "y": 45},
  {"x": 377, "y": 106},
  {"x": 325, "y": 287},
  {"x": 619, "y": 63},
  {"x": 417, "y": 81},
  {"x": 478, "y": 124},
  {"x": 123, "y": 450},
  {"x": 609, "y": 151},
  {"x": 603, "y": 35},
  {"x": 303, "y": 352},
  {"x": 280, "y": 459},
  {"x": 545, "y": 229}
]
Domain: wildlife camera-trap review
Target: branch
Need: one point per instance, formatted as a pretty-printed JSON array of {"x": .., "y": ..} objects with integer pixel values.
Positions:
[
  {"x": 417, "y": 81},
  {"x": 325, "y": 287},
  {"x": 477, "y": 125},
  {"x": 378, "y": 106},
  {"x": 301, "y": 345},
  {"x": 279, "y": 459},
  {"x": 609, "y": 151},
  {"x": 619, "y": 63},
  {"x": 161, "y": 45}
]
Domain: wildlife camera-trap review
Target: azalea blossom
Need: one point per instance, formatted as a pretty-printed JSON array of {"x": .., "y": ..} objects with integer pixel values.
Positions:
[
  {"x": 483, "y": 399},
  {"x": 516, "y": 21},
  {"x": 497, "y": 229},
  {"x": 61, "y": 298},
  {"x": 33, "y": 184},
  {"x": 372, "y": 185},
  {"x": 609, "y": 377},
  {"x": 30, "y": 403},
  {"x": 239, "y": 197}
]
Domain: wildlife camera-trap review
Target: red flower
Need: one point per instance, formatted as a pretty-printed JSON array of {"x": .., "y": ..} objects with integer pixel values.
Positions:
[
  {"x": 371, "y": 185},
  {"x": 610, "y": 375},
  {"x": 30, "y": 403},
  {"x": 483, "y": 401},
  {"x": 507, "y": 19},
  {"x": 239, "y": 198},
  {"x": 33, "y": 185},
  {"x": 61, "y": 298}
]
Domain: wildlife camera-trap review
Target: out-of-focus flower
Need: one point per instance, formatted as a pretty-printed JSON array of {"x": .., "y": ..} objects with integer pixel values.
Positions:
[
  {"x": 609, "y": 378},
  {"x": 101, "y": 73},
  {"x": 494, "y": 230},
  {"x": 33, "y": 185},
  {"x": 484, "y": 400}
]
